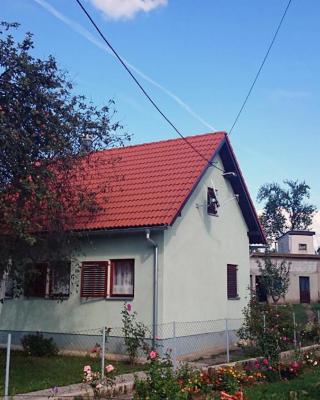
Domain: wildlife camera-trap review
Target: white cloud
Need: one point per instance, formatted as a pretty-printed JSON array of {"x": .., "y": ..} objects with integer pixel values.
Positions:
[
  {"x": 126, "y": 9},
  {"x": 284, "y": 94}
]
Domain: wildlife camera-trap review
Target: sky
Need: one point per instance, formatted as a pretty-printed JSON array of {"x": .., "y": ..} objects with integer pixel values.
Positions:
[{"x": 197, "y": 59}]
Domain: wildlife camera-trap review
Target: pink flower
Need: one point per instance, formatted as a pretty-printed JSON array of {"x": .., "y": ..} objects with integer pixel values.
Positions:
[
  {"x": 109, "y": 368},
  {"x": 153, "y": 354},
  {"x": 265, "y": 362},
  {"x": 129, "y": 307},
  {"x": 99, "y": 386},
  {"x": 295, "y": 365},
  {"x": 87, "y": 368}
]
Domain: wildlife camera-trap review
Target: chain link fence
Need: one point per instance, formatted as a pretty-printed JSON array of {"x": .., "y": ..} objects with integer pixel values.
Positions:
[
  {"x": 211, "y": 341},
  {"x": 183, "y": 340}
]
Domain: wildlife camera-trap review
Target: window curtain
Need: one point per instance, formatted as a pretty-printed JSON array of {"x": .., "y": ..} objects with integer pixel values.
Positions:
[{"x": 123, "y": 278}]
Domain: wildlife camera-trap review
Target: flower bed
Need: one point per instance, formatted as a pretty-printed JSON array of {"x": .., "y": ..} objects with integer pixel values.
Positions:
[{"x": 225, "y": 382}]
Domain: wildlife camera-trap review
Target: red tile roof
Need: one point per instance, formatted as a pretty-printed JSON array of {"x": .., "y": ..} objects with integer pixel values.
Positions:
[{"x": 147, "y": 184}]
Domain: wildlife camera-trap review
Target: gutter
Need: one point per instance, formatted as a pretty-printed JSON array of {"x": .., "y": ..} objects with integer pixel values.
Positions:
[
  {"x": 102, "y": 231},
  {"x": 155, "y": 285}
]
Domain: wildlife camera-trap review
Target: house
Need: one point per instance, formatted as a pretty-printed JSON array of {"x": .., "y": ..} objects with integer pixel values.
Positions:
[
  {"x": 172, "y": 239},
  {"x": 297, "y": 249}
]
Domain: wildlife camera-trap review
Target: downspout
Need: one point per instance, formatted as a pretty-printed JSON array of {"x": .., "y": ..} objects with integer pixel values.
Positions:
[{"x": 155, "y": 285}]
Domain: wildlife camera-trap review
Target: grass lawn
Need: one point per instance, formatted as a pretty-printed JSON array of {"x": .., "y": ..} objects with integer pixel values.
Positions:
[
  {"x": 301, "y": 313},
  {"x": 28, "y": 373},
  {"x": 305, "y": 387}
]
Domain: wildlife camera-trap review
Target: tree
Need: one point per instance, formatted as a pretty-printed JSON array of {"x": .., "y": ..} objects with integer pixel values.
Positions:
[
  {"x": 48, "y": 139},
  {"x": 285, "y": 208},
  {"x": 274, "y": 277}
]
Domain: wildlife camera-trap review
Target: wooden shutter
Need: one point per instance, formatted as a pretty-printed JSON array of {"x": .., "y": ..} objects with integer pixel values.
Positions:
[
  {"x": 94, "y": 279},
  {"x": 232, "y": 289}
]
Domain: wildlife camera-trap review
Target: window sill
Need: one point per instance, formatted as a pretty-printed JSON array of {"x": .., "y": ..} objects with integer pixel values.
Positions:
[
  {"x": 121, "y": 298},
  {"x": 234, "y": 298},
  {"x": 108, "y": 298}
]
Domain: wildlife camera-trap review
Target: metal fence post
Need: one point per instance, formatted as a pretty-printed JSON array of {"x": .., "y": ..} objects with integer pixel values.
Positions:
[
  {"x": 174, "y": 335},
  {"x": 103, "y": 351},
  {"x": 6, "y": 383},
  {"x": 294, "y": 330},
  {"x": 264, "y": 322},
  {"x": 227, "y": 341}
]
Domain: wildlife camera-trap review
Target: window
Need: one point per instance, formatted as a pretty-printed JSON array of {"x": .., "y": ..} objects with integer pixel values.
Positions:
[
  {"x": 122, "y": 278},
  {"x": 302, "y": 246},
  {"x": 212, "y": 202},
  {"x": 114, "y": 278},
  {"x": 232, "y": 289},
  {"x": 47, "y": 280},
  {"x": 35, "y": 280}
]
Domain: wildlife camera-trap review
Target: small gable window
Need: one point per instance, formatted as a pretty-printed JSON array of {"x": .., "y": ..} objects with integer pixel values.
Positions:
[
  {"x": 212, "y": 202},
  {"x": 232, "y": 284},
  {"x": 302, "y": 246}
]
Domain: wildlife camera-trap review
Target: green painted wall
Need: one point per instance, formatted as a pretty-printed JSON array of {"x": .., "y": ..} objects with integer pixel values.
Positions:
[
  {"x": 197, "y": 251},
  {"x": 77, "y": 314}
]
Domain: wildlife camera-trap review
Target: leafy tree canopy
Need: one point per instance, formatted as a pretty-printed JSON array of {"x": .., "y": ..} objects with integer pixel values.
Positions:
[
  {"x": 285, "y": 208},
  {"x": 274, "y": 278},
  {"x": 42, "y": 130}
]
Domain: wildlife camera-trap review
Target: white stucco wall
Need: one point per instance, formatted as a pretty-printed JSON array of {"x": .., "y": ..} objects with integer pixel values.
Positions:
[
  {"x": 77, "y": 314},
  {"x": 289, "y": 243},
  {"x": 197, "y": 250},
  {"x": 303, "y": 239},
  {"x": 298, "y": 267}
]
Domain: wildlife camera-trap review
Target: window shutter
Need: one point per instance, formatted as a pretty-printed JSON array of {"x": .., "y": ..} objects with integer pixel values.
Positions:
[
  {"x": 94, "y": 279},
  {"x": 232, "y": 289}
]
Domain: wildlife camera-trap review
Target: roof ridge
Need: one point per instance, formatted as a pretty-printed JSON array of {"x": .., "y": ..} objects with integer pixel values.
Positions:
[{"x": 162, "y": 141}]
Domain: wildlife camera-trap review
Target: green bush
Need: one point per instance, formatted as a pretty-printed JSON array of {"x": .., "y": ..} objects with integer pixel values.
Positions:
[
  {"x": 271, "y": 339},
  {"x": 39, "y": 346},
  {"x": 134, "y": 333},
  {"x": 161, "y": 381}
]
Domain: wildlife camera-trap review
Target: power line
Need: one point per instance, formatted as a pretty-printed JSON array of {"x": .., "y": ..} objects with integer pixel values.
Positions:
[
  {"x": 142, "y": 88},
  {"x": 261, "y": 66}
]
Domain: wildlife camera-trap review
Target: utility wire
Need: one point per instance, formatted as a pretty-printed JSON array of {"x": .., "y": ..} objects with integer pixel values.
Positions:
[
  {"x": 261, "y": 66},
  {"x": 142, "y": 88}
]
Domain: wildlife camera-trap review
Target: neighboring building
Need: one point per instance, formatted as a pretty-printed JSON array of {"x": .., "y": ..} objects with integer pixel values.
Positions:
[
  {"x": 297, "y": 249},
  {"x": 172, "y": 239}
]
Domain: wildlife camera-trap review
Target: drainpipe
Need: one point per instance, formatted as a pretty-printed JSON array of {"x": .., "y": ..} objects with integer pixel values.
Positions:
[{"x": 155, "y": 285}]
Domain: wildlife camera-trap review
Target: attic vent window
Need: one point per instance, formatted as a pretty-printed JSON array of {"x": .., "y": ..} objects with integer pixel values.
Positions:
[
  {"x": 302, "y": 246},
  {"x": 212, "y": 202}
]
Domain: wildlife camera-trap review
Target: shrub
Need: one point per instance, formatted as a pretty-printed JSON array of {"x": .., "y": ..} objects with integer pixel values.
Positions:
[
  {"x": 310, "y": 332},
  {"x": 274, "y": 337},
  {"x": 102, "y": 388},
  {"x": 134, "y": 332},
  {"x": 161, "y": 382},
  {"x": 39, "y": 346}
]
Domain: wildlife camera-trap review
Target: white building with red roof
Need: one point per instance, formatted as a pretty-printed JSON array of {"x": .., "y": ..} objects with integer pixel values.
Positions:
[{"x": 172, "y": 239}]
